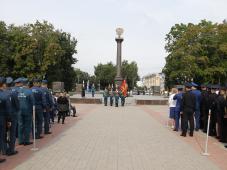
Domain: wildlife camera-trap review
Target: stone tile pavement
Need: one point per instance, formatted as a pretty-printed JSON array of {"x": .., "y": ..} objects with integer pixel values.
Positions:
[{"x": 112, "y": 138}]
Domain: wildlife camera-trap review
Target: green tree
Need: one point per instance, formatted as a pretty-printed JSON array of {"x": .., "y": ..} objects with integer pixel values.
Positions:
[
  {"x": 37, "y": 51},
  {"x": 130, "y": 73},
  {"x": 105, "y": 73},
  {"x": 196, "y": 52}
]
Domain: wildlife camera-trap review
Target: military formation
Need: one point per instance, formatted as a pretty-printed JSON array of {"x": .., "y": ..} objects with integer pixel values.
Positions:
[
  {"x": 22, "y": 102},
  {"x": 115, "y": 95},
  {"x": 194, "y": 105}
]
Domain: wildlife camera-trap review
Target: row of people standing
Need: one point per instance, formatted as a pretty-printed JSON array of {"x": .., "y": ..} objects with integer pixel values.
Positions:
[
  {"x": 18, "y": 101},
  {"x": 193, "y": 106},
  {"x": 114, "y": 95}
]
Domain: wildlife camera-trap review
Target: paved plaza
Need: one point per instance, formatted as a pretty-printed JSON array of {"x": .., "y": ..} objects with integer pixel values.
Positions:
[{"x": 124, "y": 138}]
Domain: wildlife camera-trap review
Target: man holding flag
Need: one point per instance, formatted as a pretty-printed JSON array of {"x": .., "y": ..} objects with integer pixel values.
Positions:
[{"x": 123, "y": 93}]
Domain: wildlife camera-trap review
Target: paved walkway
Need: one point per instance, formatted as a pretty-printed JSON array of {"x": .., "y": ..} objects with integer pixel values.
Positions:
[{"x": 112, "y": 138}]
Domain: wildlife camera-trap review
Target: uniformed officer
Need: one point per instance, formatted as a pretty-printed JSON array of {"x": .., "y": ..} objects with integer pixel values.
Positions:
[
  {"x": 111, "y": 96},
  {"x": 188, "y": 109},
  {"x": 221, "y": 105},
  {"x": 17, "y": 84},
  {"x": 213, "y": 106},
  {"x": 197, "y": 94},
  {"x": 49, "y": 102},
  {"x": 178, "y": 109},
  {"x": 116, "y": 96},
  {"x": 204, "y": 107},
  {"x": 93, "y": 90},
  {"x": 26, "y": 100},
  {"x": 40, "y": 106},
  {"x": 122, "y": 97},
  {"x": 4, "y": 113},
  {"x": 13, "y": 117},
  {"x": 105, "y": 95}
]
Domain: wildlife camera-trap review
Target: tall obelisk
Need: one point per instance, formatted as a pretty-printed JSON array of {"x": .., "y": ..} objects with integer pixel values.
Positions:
[{"x": 119, "y": 40}]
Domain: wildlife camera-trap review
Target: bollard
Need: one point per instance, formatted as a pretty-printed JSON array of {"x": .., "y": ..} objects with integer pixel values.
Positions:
[
  {"x": 34, "y": 144},
  {"x": 205, "y": 153}
]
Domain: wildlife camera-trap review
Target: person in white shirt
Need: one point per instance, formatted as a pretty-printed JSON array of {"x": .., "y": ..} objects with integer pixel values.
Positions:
[{"x": 172, "y": 106}]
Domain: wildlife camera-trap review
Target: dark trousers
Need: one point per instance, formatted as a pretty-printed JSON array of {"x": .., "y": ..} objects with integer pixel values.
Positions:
[
  {"x": 177, "y": 118},
  {"x": 52, "y": 115},
  {"x": 197, "y": 119},
  {"x": 111, "y": 100},
  {"x": 105, "y": 101},
  {"x": 38, "y": 122},
  {"x": 187, "y": 117},
  {"x": 12, "y": 134},
  {"x": 116, "y": 101},
  {"x": 122, "y": 100},
  {"x": 46, "y": 116},
  {"x": 204, "y": 119},
  {"x": 24, "y": 127},
  {"x": 2, "y": 134},
  {"x": 213, "y": 120},
  {"x": 62, "y": 115}
]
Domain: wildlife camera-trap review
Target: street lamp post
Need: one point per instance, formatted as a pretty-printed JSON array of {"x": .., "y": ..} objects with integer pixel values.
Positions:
[{"x": 119, "y": 40}]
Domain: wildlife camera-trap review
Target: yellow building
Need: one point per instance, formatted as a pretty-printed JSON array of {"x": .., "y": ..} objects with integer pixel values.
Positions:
[{"x": 154, "y": 82}]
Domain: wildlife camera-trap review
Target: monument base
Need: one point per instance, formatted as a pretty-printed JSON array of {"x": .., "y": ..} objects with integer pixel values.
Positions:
[{"x": 118, "y": 80}]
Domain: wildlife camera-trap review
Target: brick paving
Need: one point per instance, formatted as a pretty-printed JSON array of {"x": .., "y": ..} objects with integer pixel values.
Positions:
[{"x": 112, "y": 138}]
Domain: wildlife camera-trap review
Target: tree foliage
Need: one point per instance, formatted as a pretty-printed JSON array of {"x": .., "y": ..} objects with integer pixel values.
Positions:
[
  {"x": 37, "y": 51},
  {"x": 196, "y": 52},
  {"x": 106, "y": 73}
]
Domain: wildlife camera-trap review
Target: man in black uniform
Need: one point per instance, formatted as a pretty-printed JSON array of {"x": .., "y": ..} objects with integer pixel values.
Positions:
[
  {"x": 221, "y": 104},
  {"x": 188, "y": 110},
  {"x": 204, "y": 108},
  {"x": 213, "y": 106}
]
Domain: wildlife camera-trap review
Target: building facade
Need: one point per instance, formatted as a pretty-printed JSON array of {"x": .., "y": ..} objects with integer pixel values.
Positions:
[{"x": 154, "y": 82}]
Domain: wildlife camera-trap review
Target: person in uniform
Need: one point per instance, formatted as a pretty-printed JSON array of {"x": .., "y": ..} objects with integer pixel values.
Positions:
[
  {"x": 106, "y": 95},
  {"x": 111, "y": 96},
  {"x": 83, "y": 91},
  {"x": 4, "y": 113},
  {"x": 40, "y": 106},
  {"x": 122, "y": 98},
  {"x": 178, "y": 98},
  {"x": 213, "y": 107},
  {"x": 204, "y": 108},
  {"x": 116, "y": 96},
  {"x": 188, "y": 110},
  {"x": 63, "y": 107},
  {"x": 49, "y": 107},
  {"x": 26, "y": 101},
  {"x": 197, "y": 94},
  {"x": 13, "y": 117},
  {"x": 93, "y": 90},
  {"x": 221, "y": 105}
]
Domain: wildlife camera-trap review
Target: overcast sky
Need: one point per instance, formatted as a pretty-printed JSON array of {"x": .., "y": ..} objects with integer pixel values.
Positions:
[{"x": 93, "y": 23}]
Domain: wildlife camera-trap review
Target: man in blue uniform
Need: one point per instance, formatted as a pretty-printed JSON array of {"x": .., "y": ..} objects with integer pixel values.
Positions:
[
  {"x": 197, "y": 94},
  {"x": 4, "y": 113},
  {"x": 49, "y": 102},
  {"x": 26, "y": 100},
  {"x": 40, "y": 106},
  {"x": 178, "y": 98},
  {"x": 105, "y": 95},
  {"x": 17, "y": 84},
  {"x": 13, "y": 117}
]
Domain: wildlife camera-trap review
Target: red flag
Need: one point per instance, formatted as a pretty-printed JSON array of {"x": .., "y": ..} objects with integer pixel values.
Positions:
[{"x": 124, "y": 88}]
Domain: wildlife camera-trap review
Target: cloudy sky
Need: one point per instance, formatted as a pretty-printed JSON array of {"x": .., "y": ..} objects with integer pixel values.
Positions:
[{"x": 93, "y": 23}]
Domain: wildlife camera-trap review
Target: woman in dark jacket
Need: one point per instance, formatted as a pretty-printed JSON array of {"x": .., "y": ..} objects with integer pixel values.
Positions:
[{"x": 63, "y": 107}]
